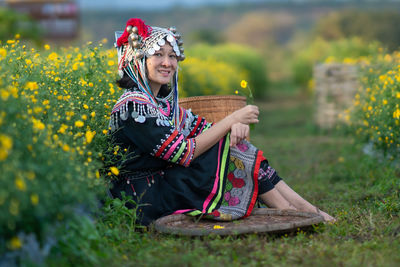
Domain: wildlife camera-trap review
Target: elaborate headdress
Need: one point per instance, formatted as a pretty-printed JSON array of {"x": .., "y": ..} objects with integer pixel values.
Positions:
[{"x": 139, "y": 41}]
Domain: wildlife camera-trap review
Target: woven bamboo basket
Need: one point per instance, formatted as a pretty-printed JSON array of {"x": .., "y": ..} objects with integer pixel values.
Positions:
[{"x": 213, "y": 107}]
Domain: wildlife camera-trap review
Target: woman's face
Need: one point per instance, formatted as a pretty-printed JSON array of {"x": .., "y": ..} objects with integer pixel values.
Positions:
[{"x": 161, "y": 66}]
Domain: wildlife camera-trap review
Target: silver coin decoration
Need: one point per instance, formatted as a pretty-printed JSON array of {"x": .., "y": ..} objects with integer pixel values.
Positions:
[
  {"x": 161, "y": 42},
  {"x": 151, "y": 51},
  {"x": 156, "y": 47},
  {"x": 140, "y": 119},
  {"x": 134, "y": 114},
  {"x": 124, "y": 116},
  {"x": 170, "y": 38}
]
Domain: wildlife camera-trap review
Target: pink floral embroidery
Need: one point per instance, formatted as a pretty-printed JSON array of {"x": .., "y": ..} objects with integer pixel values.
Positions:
[
  {"x": 227, "y": 196},
  {"x": 233, "y": 201},
  {"x": 242, "y": 147}
]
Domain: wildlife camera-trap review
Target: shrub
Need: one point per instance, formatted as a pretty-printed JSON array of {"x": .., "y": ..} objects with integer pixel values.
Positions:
[
  {"x": 13, "y": 23},
  {"x": 376, "y": 111},
  {"x": 321, "y": 50},
  {"x": 244, "y": 60},
  {"x": 54, "y": 108},
  {"x": 208, "y": 77}
]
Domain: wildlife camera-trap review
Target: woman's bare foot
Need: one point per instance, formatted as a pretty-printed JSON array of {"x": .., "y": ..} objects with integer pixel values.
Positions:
[{"x": 327, "y": 218}]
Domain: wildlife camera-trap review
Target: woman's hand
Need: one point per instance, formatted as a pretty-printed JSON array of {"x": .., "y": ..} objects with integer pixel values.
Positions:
[
  {"x": 246, "y": 115},
  {"x": 239, "y": 131}
]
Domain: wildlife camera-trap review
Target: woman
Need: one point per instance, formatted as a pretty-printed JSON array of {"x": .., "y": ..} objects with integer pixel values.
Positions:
[{"x": 176, "y": 162}]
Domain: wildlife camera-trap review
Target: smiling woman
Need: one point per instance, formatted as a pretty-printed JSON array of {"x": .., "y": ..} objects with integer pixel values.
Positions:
[{"x": 176, "y": 161}]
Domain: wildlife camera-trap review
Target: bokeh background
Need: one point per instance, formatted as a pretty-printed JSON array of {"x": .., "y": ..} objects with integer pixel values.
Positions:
[{"x": 325, "y": 75}]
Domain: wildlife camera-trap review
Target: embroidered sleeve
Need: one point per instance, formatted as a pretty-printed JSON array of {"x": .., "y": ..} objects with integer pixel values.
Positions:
[
  {"x": 194, "y": 124},
  {"x": 152, "y": 132}
]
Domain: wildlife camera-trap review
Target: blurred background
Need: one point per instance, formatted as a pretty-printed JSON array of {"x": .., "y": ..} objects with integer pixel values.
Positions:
[{"x": 282, "y": 39}]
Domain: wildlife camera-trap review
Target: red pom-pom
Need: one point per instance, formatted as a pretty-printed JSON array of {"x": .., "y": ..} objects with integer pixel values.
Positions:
[{"x": 143, "y": 30}]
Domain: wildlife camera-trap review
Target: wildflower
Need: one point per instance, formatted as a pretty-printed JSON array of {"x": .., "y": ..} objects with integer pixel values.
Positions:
[
  {"x": 89, "y": 136},
  {"x": 28, "y": 61},
  {"x": 34, "y": 199},
  {"x": 85, "y": 106},
  {"x": 37, "y": 124},
  {"x": 47, "y": 47},
  {"x": 84, "y": 117},
  {"x": 4, "y": 94},
  {"x": 31, "y": 86},
  {"x": 3, "y": 52},
  {"x": 53, "y": 56},
  {"x": 114, "y": 170},
  {"x": 398, "y": 95},
  {"x": 219, "y": 226},
  {"x": 111, "y": 63},
  {"x": 10, "y": 41},
  {"x": 79, "y": 124},
  {"x": 93, "y": 114},
  {"x": 20, "y": 184},
  {"x": 236, "y": 92},
  {"x": 396, "y": 114},
  {"x": 97, "y": 174},
  {"x": 15, "y": 243},
  {"x": 6, "y": 144},
  {"x": 243, "y": 84},
  {"x": 62, "y": 129},
  {"x": 65, "y": 148}
]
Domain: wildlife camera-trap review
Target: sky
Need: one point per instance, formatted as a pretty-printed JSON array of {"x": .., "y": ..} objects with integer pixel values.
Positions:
[{"x": 154, "y": 4}]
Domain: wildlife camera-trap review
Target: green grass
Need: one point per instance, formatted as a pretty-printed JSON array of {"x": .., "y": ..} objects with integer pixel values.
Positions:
[{"x": 328, "y": 170}]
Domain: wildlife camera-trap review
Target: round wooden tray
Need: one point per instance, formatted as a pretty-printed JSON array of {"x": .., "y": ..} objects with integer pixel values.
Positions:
[{"x": 261, "y": 220}]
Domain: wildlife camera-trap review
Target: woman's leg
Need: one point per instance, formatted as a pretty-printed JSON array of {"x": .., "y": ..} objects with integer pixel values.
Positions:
[
  {"x": 300, "y": 203},
  {"x": 274, "y": 199}
]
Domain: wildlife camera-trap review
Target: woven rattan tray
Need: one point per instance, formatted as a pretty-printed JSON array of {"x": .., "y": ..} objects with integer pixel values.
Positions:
[{"x": 261, "y": 220}]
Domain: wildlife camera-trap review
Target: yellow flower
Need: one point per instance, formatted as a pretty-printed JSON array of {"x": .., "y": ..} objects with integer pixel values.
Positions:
[
  {"x": 85, "y": 106},
  {"x": 93, "y": 114},
  {"x": 6, "y": 144},
  {"x": 84, "y": 117},
  {"x": 398, "y": 95},
  {"x": 114, "y": 170},
  {"x": 53, "y": 56},
  {"x": 62, "y": 128},
  {"x": 15, "y": 243},
  {"x": 20, "y": 184},
  {"x": 79, "y": 124},
  {"x": 4, "y": 94},
  {"x": 219, "y": 226},
  {"x": 28, "y": 61},
  {"x": 111, "y": 63},
  {"x": 396, "y": 114},
  {"x": 89, "y": 136},
  {"x": 243, "y": 84},
  {"x": 31, "y": 86},
  {"x": 3, "y": 52},
  {"x": 47, "y": 47},
  {"x": 34, "y": 199},
  {"x": 10, "y": 41},
  {"x": 97, "y": 174},
  {"x": 37, "y": 124},
  {"x": 65, "y": 148},
  {"x": 236, "y": 92}
]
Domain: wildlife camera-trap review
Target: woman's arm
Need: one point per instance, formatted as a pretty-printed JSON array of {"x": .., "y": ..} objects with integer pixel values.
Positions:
[{"x": 204, "y": 141}]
